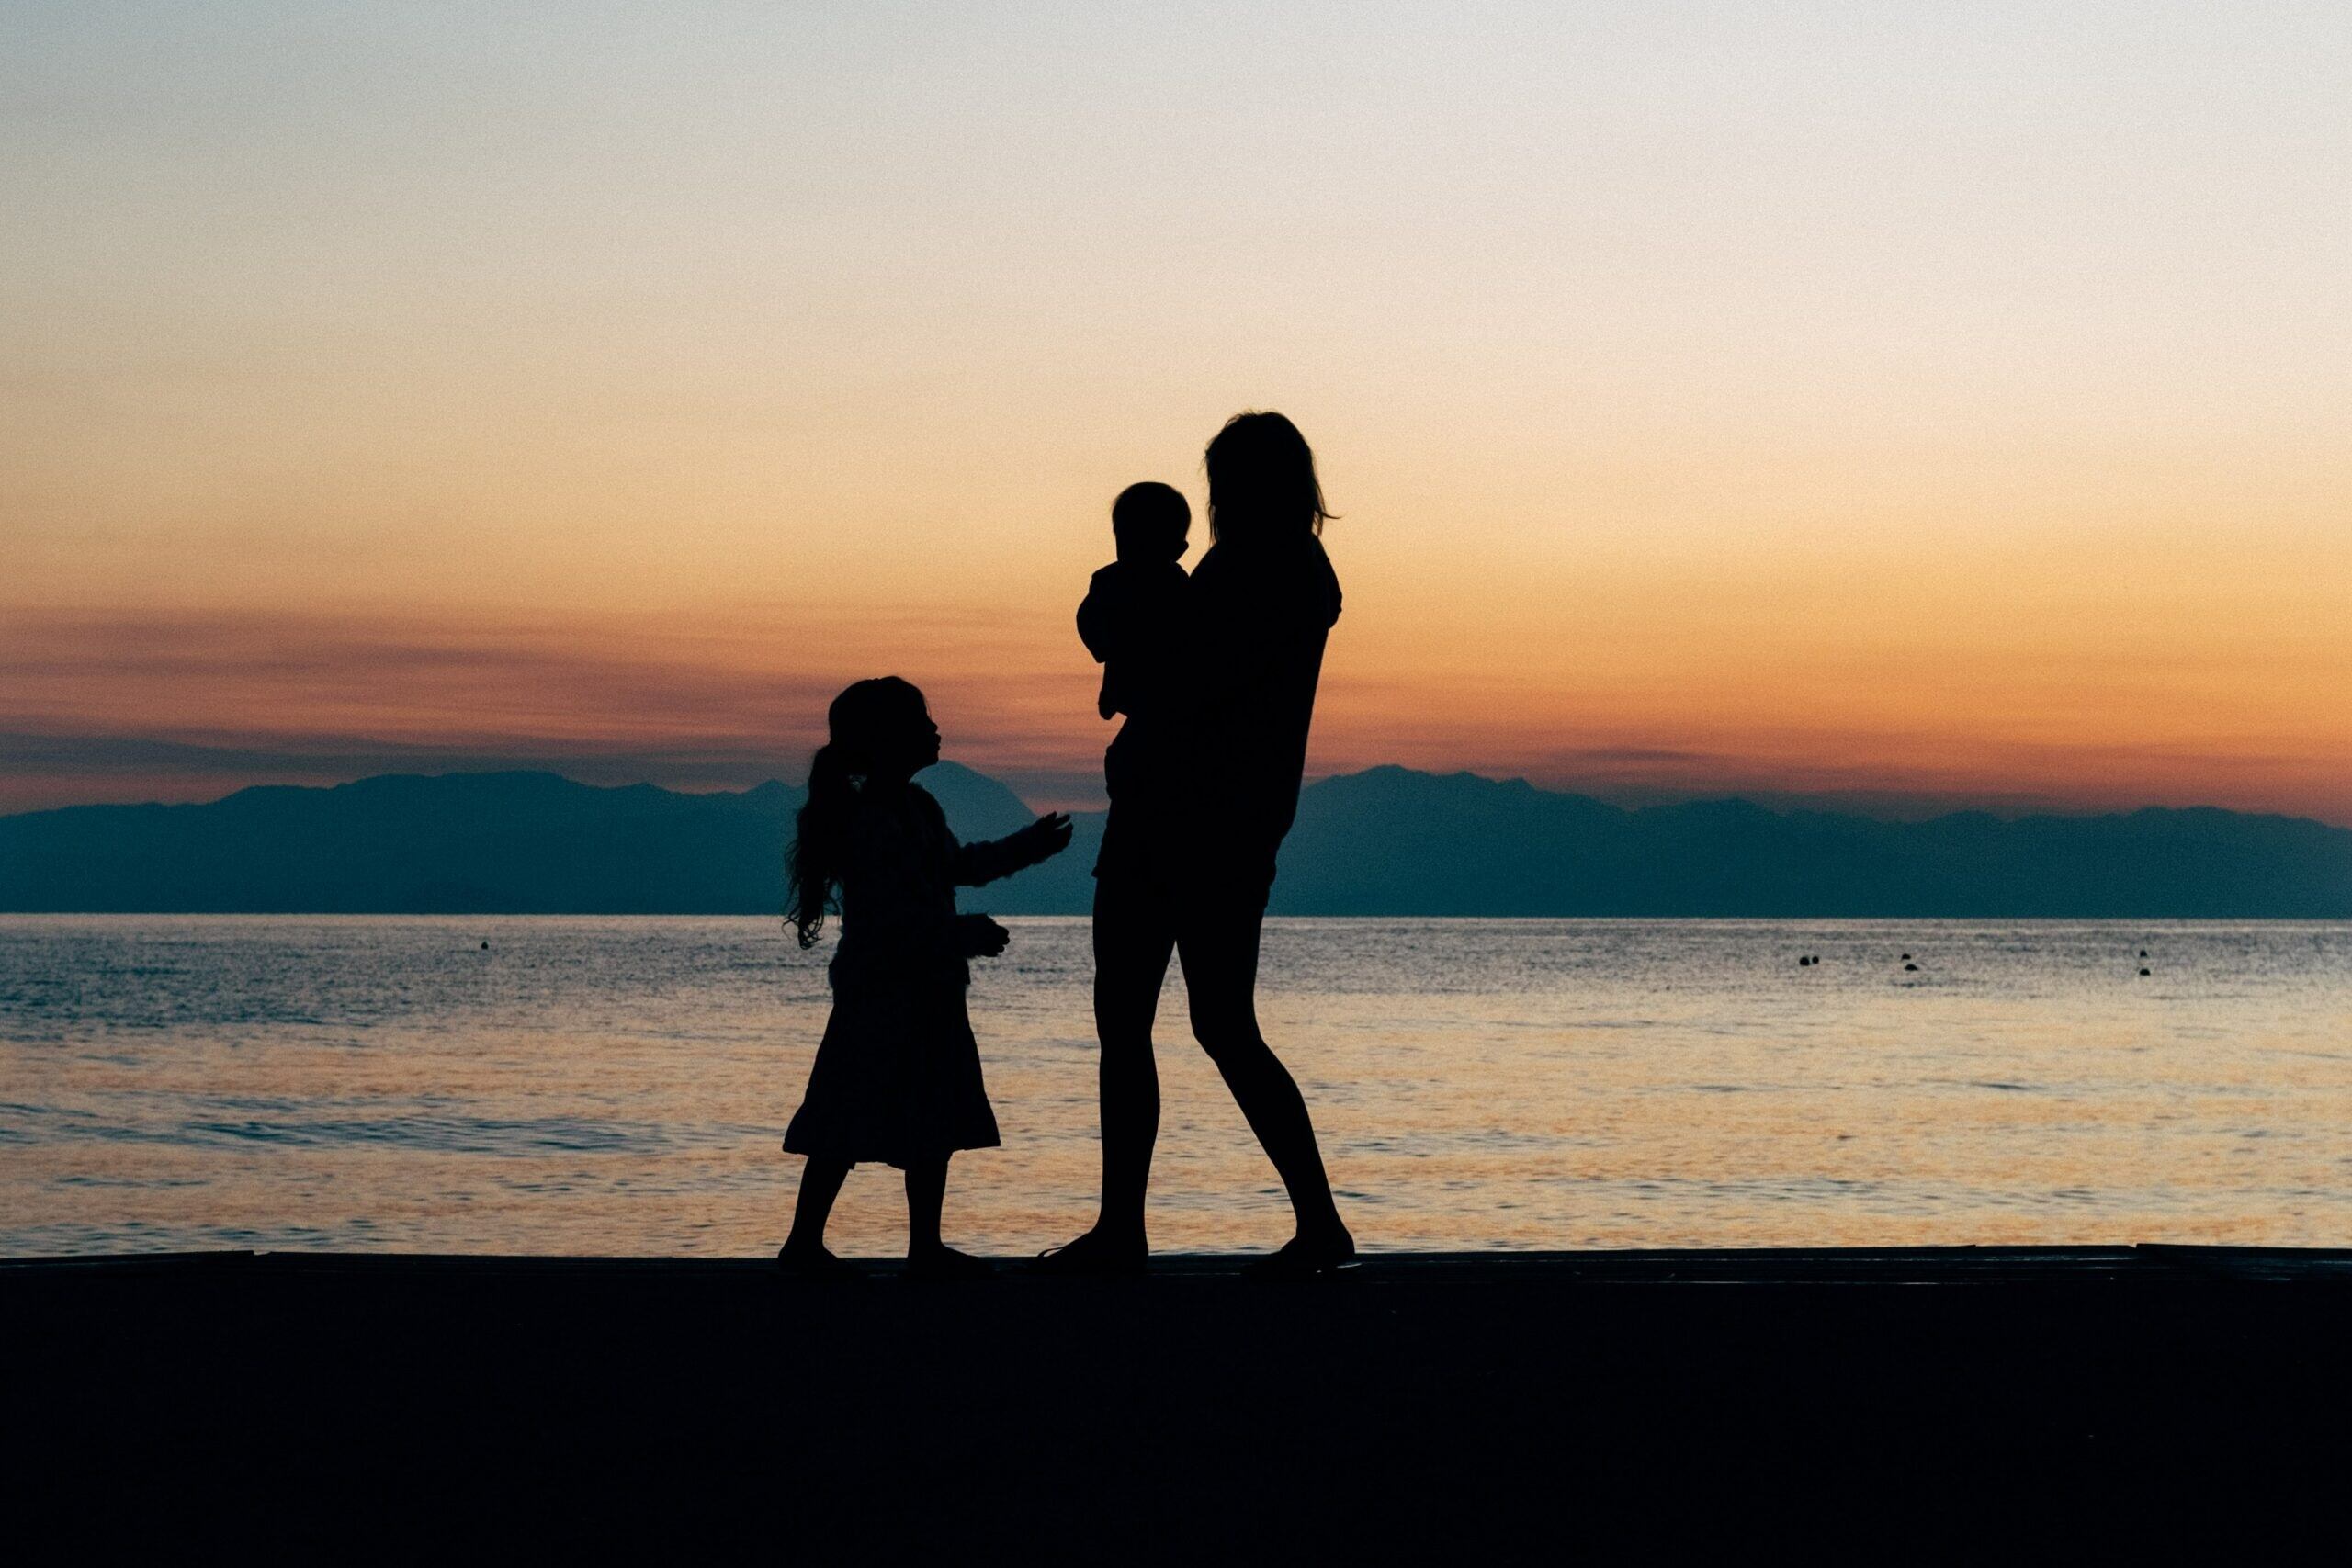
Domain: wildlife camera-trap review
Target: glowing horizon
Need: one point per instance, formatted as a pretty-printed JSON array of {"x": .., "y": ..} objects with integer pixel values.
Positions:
[{"x": 1899, "y": 406}]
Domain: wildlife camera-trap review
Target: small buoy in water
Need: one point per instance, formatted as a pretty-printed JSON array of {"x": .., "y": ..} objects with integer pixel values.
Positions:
[
  {"x": 1913, "y": 967},
  {"x": 1907, "y": 958},
  {"x": 2143, "y": 953},
  {"x": 485, "y": 947},
  {"x": 2143, "y": 972},
  {"x": 1803, "y": 962}
]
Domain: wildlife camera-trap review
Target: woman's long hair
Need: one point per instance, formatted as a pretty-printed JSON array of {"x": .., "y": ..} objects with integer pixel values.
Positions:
[
  {"x": 1261, "y": 480},
  {"x": 860, "y": 725}
]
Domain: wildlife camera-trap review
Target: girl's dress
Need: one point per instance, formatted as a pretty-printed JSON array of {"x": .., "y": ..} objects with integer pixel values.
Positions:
[{"x": 896, "y": 1077}]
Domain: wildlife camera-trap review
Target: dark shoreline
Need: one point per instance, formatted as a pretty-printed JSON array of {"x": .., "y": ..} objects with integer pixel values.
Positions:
[
  {"x": 2145, "y": 1263},
  {"x": 1419, "y": 1403}
]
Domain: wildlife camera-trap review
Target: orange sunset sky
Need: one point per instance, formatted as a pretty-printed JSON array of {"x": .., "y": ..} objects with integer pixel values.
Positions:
[{"x": 1905, "y": 405}]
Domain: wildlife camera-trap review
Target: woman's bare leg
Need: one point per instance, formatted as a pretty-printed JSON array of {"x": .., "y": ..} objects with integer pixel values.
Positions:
[
  {"x": 1134, "y": 938},
  {"x": 1219, "y": 946}
]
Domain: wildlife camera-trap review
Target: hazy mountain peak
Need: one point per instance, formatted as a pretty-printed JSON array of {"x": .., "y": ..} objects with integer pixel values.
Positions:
[{"x": 1388, "y": 841}]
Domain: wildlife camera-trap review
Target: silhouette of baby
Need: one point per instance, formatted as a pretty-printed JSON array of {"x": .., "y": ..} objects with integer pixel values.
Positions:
[{"x": 1129, "y": 614}]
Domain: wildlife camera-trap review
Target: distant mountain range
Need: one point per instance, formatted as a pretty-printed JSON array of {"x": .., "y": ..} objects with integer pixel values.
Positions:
[{"x": 1387, "y": 842}]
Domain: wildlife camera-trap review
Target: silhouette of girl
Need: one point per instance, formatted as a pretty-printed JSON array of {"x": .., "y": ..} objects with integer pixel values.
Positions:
[
  {"x": 898, "y": 1075},
  {"x": 1188, "y": 852}
]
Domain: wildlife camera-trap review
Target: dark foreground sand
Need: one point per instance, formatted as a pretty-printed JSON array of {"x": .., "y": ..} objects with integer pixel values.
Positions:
[{"x": 1435, "y": 1407}]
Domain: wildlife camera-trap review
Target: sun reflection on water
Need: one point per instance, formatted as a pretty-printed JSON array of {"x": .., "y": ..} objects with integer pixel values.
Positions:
[{"x": 617, "y": 1086}]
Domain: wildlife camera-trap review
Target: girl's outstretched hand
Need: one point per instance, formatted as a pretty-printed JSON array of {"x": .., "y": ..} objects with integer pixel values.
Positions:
[{"x": 1044, "y": 839}]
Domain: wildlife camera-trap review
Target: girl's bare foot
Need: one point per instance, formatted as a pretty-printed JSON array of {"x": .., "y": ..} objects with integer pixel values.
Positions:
[
  {"x": 1095, "y": 1254},
  {"x": 1304, "y": 1254},
  {"x": 946, "y": 1263}
]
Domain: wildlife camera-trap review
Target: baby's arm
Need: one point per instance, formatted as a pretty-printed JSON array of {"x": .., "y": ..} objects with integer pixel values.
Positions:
[{"x": 1101, "y": 612}]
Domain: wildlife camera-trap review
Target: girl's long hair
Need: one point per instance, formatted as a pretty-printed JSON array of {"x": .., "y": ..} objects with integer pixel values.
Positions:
[
  {"x": 859, "y": 725},
  {"x": 1261, "y": 480}
]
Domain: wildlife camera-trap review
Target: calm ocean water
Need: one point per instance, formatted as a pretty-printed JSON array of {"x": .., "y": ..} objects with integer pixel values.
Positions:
[{"x": 619, "y": 1084}]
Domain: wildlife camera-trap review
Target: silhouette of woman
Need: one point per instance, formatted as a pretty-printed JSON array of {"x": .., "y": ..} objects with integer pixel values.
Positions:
[{"x": 1200, "y": 803}]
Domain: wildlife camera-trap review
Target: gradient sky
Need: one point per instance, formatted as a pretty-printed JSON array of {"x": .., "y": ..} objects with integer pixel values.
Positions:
[{"x": 1911, "y": 404}]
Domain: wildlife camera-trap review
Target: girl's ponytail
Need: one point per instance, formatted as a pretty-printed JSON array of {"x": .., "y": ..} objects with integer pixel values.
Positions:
[{"x": 812, "y": 865}]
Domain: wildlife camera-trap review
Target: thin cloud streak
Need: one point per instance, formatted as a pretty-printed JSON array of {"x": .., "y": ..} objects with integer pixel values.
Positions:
[
  {"x": 191, "y": 706},
  {"x": 185, "y": 705}
]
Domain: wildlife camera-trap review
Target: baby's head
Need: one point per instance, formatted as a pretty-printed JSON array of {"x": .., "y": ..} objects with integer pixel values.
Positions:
[{"x": 1150, "y": 520}]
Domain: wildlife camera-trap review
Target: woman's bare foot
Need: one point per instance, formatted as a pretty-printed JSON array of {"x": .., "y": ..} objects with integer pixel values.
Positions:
[
  {"x": 1095, "y": 1254},
  {"x": 946, "y": 1263},
  {"x": 815, "y": 1263},
  {"x": 1305, "y": 1253}
]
